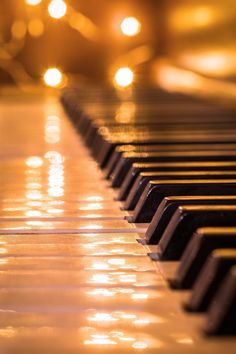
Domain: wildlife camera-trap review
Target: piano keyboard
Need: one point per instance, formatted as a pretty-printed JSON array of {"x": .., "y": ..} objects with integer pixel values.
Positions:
[{"x": 147, "y": 266}]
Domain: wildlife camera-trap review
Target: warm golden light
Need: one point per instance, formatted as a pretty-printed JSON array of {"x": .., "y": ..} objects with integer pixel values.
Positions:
[
  {"x": 18, "y": 29},
  {"x": 34, "y": 195},
  {"x": 140, "y": 345},
  {"x": 33, "y": 2},
  {"x": 126, "y": 112},
  {"x": 84, "y": 25},
  {"x": 33, "y": 213},
  {"x": 130, "y": 26},
  {"x": 36, "y": 27},
  {"x": 57, "y": 9},
  {"x": 52, "y": 77},
  {"x": 124, "y": 77}
]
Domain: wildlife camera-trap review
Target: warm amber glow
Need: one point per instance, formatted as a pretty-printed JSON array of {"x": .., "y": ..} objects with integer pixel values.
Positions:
[
  {"x": 57, "y": 8},
  {"x": 124, "y": 77},
  {"x": 130, "y": 26},
  {"x": 84, "y": 25},
  {"x": 140, "y": 345},
  {"x": 52, "y": 77},
  {"x": 33, "y": 2},
  {"x": 218, "y": 63},
  {"x": 126, "y": 112},
  {"x": 18, "y": 29},
  {"x": 201, "y": 16},
  {"x": 36, "y": 27},
  {"x": 172, "y": 78}
]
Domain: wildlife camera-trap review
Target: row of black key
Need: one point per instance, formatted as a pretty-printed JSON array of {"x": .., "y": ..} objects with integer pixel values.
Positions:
[{"x": 180, "y": 177}]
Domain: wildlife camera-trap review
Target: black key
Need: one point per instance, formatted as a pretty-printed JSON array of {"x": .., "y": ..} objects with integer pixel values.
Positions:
[
  {"x": 221, "y": 316},
  {"x": 144, "y": 177},
  {"x": 137, "y": 168},
  {"x": 169, "y": 205},
  {"x": 186, "y": 220},
  {"x": 211, "y": 276},
  {"x": 105, "y": 143},
  {"x": 116, "y": 155},
  {"x": 202, "y": 243},
  {"x": 125, "y": 163},
  {"x": 103, "y": 147},
  {"x": 156, "y": 191}
]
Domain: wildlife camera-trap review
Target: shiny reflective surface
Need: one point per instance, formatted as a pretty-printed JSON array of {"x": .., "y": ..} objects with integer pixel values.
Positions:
[{"x": 78, "y": 281}]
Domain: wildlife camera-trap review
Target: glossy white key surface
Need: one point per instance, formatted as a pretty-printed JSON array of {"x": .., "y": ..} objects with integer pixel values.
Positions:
[{"x": 73, "y": 278}]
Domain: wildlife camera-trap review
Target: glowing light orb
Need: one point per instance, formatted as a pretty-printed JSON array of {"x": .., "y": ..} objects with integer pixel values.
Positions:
[
  {"x": 52, "y": 77},
  {"x": 33, "y": 2},
  {"x": 130, "y": 26},
  {"x": 57, "y": 9},
  {"x": 124, "y": 77},
  {"x": 36, "y": 27},
  {"x": 18, "y": 29}
]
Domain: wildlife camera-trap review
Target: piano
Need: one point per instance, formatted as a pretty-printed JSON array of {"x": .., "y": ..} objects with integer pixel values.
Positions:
[{"x": 118, "y": 206}]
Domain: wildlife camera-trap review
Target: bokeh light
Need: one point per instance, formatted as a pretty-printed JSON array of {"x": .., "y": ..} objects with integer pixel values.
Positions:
[
  {"x": 33, "y": 2},
  {"x": 124, "y": 77},
  {"x": 36, "y": 27},
  {"x": 53, "y": 77},
  {"x": 18, "y": 29},
  {"x": 57, "y": 9},
  {"x": 130, "y": 26}
]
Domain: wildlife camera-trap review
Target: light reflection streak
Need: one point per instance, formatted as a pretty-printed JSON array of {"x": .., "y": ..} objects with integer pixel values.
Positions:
[
  {"x": 139, "y": 319},
  {"x": 116, "y": 261},
  {"x": 34, "y": 203},
  {"x": 123, "y": 339},
  {"x": 8, "y": 332},
  {"x": 140, "y": 296},
  {"x": 52, "y": 130},
  {"x": 55, "y": 211},
  {"x": 34, "y": 162},
  {"x": 33, "y": 185},
  {"x": 54, "y": 157},
  {"x": 100, "y": 341},
  {"x": 102, "y": 317},
  {"x": 99, "y": 266},
  {"x": 91, "y": 206},
  {"x": 55, "y": 170},
  {"x": 101, "y": 292},
  {"x": 55, "y": 191},
  {"x": 33, "y": 213},
  {"x": 95, "y": 198},
  {"x": 34, "y": 195},
  {"x": 101, "y": 279},
  {"x": 3, "y": 261},
  {"x": 92, "y": 226},
  {"x": 140, "y": 345}
]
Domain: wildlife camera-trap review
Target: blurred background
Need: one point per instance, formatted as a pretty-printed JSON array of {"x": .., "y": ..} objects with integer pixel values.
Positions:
[{"x": 117, "y": 41}]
